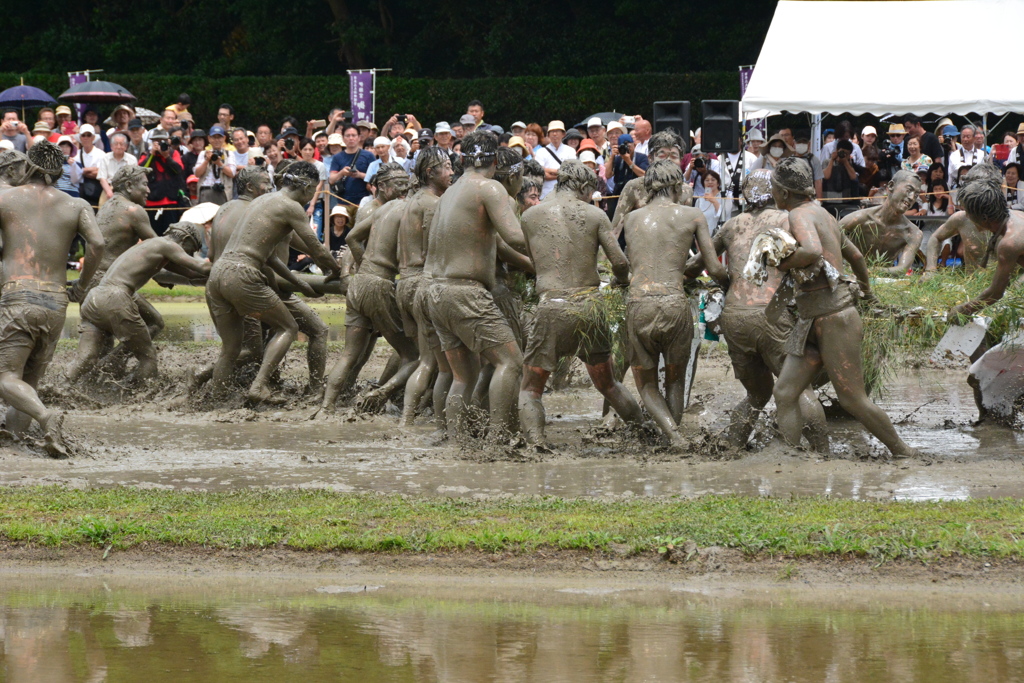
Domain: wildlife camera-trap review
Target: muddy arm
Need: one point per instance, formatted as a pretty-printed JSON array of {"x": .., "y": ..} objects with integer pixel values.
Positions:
[
  {"x": 282, "y": 269},
  {"x": 513, "y": 258},
  {"x": 502, "y": 217},
  {"x": 320, "y": 254},
  {"x": 94, "y": 243},
  {"x": 610, "y": 245},
  {"x": 140, "y": 223},
  {"x": 1005, "y": 265},
  {"x": 914, "y": 239},
  {"x": 943, "y": 233},
  {"x": 808, "y": 249},
  {"x": 626, "y": 204},
  {"x": 858, "y": 265},
  {"x": 183, "y": 264},
  {"x": 695, "y": 266}
]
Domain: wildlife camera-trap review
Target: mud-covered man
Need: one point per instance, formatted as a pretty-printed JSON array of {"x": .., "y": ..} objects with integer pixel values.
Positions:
[
  {"x": 757, "y": 344},
  {"x": 111, "y": 311},
  {"x": 664, "y": 145},
  {"x": 975, "y": 241},
  {"x": 371, "y": 307},
  {"x": 461, "y": 256},
  {"x": 38, "y": 223},
  {"x": 658, "y": 320},
  {"x": 434, "y": 172},
  {"x": 884, "y": 231},
  {"x": 828, "y": 332},
  {"x": 564, "y": 235},
  {"x": 238, "y": 286}
]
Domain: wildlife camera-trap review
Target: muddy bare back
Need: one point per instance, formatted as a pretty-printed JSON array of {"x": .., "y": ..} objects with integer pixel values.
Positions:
[
  {"x": 660, "y": 236},
  {"x": 38, "y": 224}
]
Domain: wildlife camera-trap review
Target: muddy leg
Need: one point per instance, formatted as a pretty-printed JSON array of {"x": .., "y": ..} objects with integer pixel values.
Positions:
[
  {"x": 647, "y": 385},
  {"x": 531, "y": 408},
  {"x": 252, "y": 341},
  {"x": 675, "y": 389},
  {"x": 316, "y": 330},
  {"x": 508, "y": 367},
  {"x": 840, "y": 337},
  {"x": 407, "y": 351},
  {"x": 229, "y": 327},
  {"x": 154, "y": 321},
  {"x": 442, "y": 387},
  {"x": 465, "y": 365},
  {"x": 603, "y": 376},
  {"x": 796, "y": 376},
  {"x": 92, "y": 342},
  {"x": 358, "y": 340},
  {"x": 419, "y": 382},
  {"x": 18, "y": 390},
  {"x": 815, "y": 428},
  {"x": 759, "y": 384},
  {"x": 483, "y": 384},
  {"x": 390, "y": 368},
  {"x": 141, "y": 346},
  {"x": 285, "y": 332}
]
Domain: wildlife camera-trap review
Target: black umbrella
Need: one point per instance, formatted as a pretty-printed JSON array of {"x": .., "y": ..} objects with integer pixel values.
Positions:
[
  {"x": 97, "y": 91},
  {"x": 605, "y": 116}
]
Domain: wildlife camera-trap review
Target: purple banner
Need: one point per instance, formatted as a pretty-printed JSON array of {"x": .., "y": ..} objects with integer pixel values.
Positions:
[
  {"x": 745, "y": 73},
  {"x": 360, "y": 87},
  {"x": 75, "y": 79}
]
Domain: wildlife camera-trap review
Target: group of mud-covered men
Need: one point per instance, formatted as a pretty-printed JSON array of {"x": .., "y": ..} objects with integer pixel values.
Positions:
[{"x": 429, "y": 266}]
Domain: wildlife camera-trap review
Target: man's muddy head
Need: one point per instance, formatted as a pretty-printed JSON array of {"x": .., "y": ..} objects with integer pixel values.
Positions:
[
  {"x": 664, "y": 179},
  {"x": 479, "y": 149},
  {"x": 12, "y": 166},
  {"x": 984, "y": 204},
  {"x": 45, "y": 162},
  {"x": 903, "y": 189},
  {"x": 188, "y": 235},
  {"x": 576, "y": 178},
  {"x": 509, "y": 171},
  {"x": 757, "y": 188},
  {"x": 131, "y": 182},
  {"x": 667, "y": 144},
  {"x": 529, "y": 195},
  {"x": 432, "y": 162},
  {"x": 252, "y": 182},
  {"x": 391, "y": 180},
  {"x": 533, "y": 169},
  {"x": 792, "y": 177},
  {"x": 984, "y": 172}
]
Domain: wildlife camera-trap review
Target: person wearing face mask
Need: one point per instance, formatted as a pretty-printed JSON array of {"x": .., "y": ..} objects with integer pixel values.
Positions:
[
  {"x": 802, "y": 150},
  {"x": 772, "y": 153}
]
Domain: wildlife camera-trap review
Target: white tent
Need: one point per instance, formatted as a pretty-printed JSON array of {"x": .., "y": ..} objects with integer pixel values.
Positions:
[{"x": 866, "y": 58}]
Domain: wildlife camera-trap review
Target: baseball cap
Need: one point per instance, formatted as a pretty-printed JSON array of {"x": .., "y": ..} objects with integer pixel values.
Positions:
[
  {"x": 335, "y": 139},
  {"x": 426, "y": 133},
  {"x": 135, "y": 123},
  {"x": 869, "y": 130},
  {"x": 381, "y": 141},
  {"x": 467, "y": 119},
  {"x": 948, "y": 131},
  {"x": 614, "y": 125},
  {"x": 192, "y": 179},
  {"x": 625, "y": 139},
  {"x": 556, "y": 125},
  {"x": 595, "y": 121},
  {"x": 517, "y": 124},
  {"x": 86, "y": 128},
  {"x": 442, "y": 127},
  {"x": 588, "y": 155},
  {"x": 497, "y": 130},
  {"x": 218, "y": 130},
  {"x": 63, "y": 109},
  {"x": 290, "y": 130}
]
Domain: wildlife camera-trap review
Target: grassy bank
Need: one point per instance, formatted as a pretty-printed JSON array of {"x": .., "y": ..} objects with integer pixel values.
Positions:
[{"x": 812, "y": 528}]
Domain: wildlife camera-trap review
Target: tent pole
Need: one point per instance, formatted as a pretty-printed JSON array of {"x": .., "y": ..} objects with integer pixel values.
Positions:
[{"x": 816, "y": 133}]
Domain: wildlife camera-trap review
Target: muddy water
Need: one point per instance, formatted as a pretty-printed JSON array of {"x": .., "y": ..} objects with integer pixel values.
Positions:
[
  {"x": 187, "y": 321},
  {"x": 555, "y": 629}
]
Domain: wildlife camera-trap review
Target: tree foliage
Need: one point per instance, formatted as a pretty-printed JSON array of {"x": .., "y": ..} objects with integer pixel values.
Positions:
[{"x": 442, "y": 39}]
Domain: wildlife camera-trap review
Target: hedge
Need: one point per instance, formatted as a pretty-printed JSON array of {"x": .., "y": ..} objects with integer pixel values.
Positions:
[{"x": 540, "y": 98}]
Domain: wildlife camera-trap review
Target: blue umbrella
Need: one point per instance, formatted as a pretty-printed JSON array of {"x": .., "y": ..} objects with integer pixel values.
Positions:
[{"x": 25, "y": 96}]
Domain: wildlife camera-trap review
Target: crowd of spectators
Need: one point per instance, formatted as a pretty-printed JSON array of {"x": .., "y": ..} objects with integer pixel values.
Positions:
[{"x": 192, "y": 165}]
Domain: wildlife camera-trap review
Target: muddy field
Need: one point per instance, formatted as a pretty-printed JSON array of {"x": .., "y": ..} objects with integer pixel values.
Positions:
[{"x": 165, "y": 436}]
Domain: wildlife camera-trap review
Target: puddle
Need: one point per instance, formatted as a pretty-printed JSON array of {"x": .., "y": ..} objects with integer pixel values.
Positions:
[
  {"x": 191, "y": 322},
  {"x": 174, "y": 629}
]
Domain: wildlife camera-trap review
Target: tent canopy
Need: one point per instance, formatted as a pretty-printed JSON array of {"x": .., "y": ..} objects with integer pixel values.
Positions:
[{"x": 860, "y": 57}]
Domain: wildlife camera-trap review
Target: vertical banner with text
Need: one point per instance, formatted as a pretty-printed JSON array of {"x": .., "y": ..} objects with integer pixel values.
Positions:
[
  {"x": 75, "y": 79},
  {"x": 746, "y": 72},
  {"x": 360, "y": 85}
]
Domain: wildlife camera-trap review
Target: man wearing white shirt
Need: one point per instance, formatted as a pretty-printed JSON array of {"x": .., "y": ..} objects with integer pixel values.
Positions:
[
  {"x": 551, "y": 156},
  {"x": 641, "y": 135},
  {"x": 733, "y": 175},
  {"x": 966, "y": 154},
  {"x": 113, "y": 161}
]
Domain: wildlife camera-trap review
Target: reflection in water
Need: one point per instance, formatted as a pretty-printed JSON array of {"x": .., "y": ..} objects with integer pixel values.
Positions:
[{"x": 61, "y": 636}]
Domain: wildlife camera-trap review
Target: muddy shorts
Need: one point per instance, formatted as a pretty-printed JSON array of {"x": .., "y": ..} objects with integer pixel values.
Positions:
[
  {"x": 816, "y": 304},
  {"x": 567, "y": 324},
  {"x": 754, "y": 343},
  {"x": 237, "y": 285},
  {"x": 464, "y": 313},
  {"x": 310, "y": 324},
  {"x": 511, "y": 306},
  {"x": 658, "y": 325},
  {"x": 30, "y": 325},
  {"x": 115, "y": 310},
  {"x": 406, "y": 291},
  {"x": 371, "y": 304},
  {"x": 421, "y": 311}
]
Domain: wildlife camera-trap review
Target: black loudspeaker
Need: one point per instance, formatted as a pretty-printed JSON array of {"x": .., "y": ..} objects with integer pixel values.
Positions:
[
  {"x": 720, "y": 130},
  {"x": 674, "y": 115}
]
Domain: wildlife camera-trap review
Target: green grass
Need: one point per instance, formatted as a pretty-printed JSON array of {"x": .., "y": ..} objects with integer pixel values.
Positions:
[{"x": 812, "y": 528}]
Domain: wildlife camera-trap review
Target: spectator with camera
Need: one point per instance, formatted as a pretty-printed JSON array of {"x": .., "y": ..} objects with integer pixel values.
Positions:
[
  {"x": 891, "y": 155},
  {"x": 14, "y": 131},
  {"x": 398, "y": 124},
  {"x": 697, "y": 170},
  {"x": 167, "y": 189},
  {"x": 841, "y": 174},
  {"x": 348, "y": 169},
  {"x": 965, "y": 154},
  {"x": 215, "y": 169},
  {"x": 844, "y": 131}
]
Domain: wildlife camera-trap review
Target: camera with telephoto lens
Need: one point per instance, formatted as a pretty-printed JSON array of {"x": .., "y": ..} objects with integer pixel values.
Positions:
[
  {"x": 624, "y": 149},
  {"x": 216, "y": 154},
  {"x": 164, "y": 145}
]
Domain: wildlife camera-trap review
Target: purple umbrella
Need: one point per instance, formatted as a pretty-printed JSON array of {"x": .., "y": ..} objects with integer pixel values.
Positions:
[
  {"x": 26, "y": 97},
  {"x": 97, "y": 91}
]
